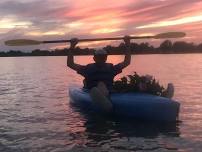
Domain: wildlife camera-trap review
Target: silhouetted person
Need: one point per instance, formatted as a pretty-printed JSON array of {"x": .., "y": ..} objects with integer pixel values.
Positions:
[
  {"x": 100, "y": 71},
  {"x": 99, "y": 76}
]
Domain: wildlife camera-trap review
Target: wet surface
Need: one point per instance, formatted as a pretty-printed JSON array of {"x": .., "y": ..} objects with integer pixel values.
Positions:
[{"x": 36, "y": 115}]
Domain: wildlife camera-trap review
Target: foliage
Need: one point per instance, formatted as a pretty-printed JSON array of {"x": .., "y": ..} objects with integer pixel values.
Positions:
[
  {"x": 138, "y": 83},
  {"x": 166, "y": 47}
]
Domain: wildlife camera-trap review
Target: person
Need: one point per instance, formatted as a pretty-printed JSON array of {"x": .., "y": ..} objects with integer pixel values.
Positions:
[
  {"x": 99, "y": 73},
  {"x": 99, "y": 76}
]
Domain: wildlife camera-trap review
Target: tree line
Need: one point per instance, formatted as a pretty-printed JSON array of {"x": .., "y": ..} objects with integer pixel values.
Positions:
[{"x": 166, "y": 47}]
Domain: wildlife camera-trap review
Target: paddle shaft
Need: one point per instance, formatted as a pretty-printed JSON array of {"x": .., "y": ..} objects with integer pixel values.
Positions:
[
  {"x": 99, "y": 39},
  {"x": 21, "y": 42}
]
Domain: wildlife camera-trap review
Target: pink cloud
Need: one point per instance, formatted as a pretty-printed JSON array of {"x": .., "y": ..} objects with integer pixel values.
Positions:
[{"x": 101, "y": 18}]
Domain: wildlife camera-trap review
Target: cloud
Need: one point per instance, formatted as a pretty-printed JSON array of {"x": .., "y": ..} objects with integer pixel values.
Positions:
[
  {"x": 62, "y": 19},
  {"x": 180, "y": 21}
]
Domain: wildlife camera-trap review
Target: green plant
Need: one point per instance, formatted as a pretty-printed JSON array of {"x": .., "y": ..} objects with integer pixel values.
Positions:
[{"x": 138, "y": 83}]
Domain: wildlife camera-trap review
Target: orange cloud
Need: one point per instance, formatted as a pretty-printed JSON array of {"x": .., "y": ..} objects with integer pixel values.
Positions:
[
  {"x": 185, "y": 20},
  {"x": 88, "y": 19},
  {"x": 105, "y": 30}
]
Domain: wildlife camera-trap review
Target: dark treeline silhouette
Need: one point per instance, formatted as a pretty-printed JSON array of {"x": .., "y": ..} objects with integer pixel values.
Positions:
[{"x": 166, "y": 47}]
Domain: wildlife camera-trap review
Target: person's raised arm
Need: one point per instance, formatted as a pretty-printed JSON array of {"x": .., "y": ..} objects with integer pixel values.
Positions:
[
  {"x": 127, "y": 59},
  {"x": 70, "y": 56}
]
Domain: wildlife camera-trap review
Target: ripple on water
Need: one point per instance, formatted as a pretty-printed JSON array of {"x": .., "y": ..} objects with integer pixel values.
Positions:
[{"x": 36, "y": 115}]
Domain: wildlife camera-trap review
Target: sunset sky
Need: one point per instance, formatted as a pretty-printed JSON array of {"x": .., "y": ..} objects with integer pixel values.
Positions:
[{"x": 65, "y": 19}]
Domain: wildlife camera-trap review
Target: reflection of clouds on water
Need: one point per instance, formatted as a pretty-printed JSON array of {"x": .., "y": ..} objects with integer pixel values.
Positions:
[
  {"x": 111, "y": 133},
  {"x": 35, "y": 112}
]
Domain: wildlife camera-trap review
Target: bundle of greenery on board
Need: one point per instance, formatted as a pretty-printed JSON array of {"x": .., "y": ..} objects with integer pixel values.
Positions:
[{"x": 138, "y": 83}]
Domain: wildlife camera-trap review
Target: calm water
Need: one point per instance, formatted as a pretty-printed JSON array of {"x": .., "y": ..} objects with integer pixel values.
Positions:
[{"x": 35, "y": 113}]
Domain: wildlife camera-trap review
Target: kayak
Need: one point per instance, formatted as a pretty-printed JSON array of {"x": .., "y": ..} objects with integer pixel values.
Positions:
[{"x": 135, "y": 105}]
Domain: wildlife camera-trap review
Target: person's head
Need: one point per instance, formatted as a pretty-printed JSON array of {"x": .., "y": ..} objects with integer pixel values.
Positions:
[{"x": 100, "y": 56}]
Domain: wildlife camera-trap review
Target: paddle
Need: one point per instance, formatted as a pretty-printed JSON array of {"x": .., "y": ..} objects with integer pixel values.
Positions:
[{"x": 21, "y": 42}]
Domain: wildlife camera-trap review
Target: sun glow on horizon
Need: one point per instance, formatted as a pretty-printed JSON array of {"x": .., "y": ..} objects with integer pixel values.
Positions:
[
  {"x": 185, "y": 20},
  {"x": 39, "y": 33},
  {"x": 52, "y": 20},
  {"x": 106, "y": 30},
  {"x": 10, "y": 24}
]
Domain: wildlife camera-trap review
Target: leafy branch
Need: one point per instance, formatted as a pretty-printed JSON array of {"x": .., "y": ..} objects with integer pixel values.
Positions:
[{"x": 138, "y": 83}]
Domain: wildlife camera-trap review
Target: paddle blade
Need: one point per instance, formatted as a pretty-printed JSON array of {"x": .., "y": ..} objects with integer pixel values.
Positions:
[
  {"x": 22, "y": 42},
  {"x": 170, "y": 35}
]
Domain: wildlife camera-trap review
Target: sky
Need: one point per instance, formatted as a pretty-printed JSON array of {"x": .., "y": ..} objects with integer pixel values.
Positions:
[{"x": 66, "y": 19}]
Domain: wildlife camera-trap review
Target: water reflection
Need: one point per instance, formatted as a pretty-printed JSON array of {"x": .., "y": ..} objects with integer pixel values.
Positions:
[
  {"x": 36, "y": 115},
  {"x": 101, "y": 129}
]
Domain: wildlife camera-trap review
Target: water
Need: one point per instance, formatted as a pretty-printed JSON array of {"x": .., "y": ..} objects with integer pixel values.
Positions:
[{"x": 35, "y": 113}]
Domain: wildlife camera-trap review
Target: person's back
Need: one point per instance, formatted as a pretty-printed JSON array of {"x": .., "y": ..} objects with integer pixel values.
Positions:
[
  {"x": 100, "y": 71},
  {"x": 95, "y": 73},
  {"x": 99, "y": 75}
]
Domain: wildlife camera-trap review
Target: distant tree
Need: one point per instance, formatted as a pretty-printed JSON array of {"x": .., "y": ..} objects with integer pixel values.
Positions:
[
  {"x": 181, "y": 46},
  {"x": 143, "y": 48},
  {"x": 166, "y": 45},
  {"x": 3, "y": 54},
  {"x": 199, "y": 47},
  {"x": 108, "y": 48}
]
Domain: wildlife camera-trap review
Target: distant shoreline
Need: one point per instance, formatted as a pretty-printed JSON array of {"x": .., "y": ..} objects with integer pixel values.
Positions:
[
  {"x": 92, "y": 54},
  {"x": 166, "y": 47}
]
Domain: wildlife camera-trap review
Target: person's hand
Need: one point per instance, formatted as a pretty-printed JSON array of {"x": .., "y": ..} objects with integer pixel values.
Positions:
[
  {"x": 127, "y": 40},
  {"x": 73, "y": 42}
]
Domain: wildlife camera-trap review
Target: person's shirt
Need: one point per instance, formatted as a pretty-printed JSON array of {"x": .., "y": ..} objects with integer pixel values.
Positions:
[{"x": 94, "y": 73}]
